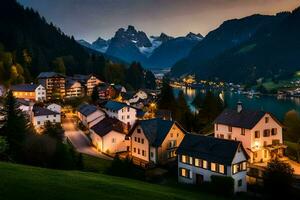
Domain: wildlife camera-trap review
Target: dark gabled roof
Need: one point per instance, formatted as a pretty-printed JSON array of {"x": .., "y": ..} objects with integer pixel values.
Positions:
[
  {"x": 86, "y": 109},
  {"x": 107, "y": 125},
  {"x": 114, "y": 105},
  {"x": 127, "y": 95},
  {"x": 24, "y": 87},
  {"x": 23, "y": 102},
  {"x": 209, "y": 148},
  {"x": 49, "y": 75},
  {"x": 39, "y": 111},
  {"x": 245, "y": 119},
  {"x": 155, "y": 130}
]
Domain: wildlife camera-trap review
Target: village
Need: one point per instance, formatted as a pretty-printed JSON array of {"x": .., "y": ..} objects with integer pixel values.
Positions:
[{"x": 129, "y": 125}]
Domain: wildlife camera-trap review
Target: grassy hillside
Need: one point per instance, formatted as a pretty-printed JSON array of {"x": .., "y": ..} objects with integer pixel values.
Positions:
[{"x": 24, "y": 182}]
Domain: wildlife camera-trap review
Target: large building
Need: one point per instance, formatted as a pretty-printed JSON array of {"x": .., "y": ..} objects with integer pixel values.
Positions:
[
  {"x": 121, "y": 111},
  {"x": 43, "y": 115},
  {"x": 33, "y": 92},
  {"x": 74, "y": 89},
  {"x": 201, "y": 157},
  {"x": 259, "y": 131},
  {"x": 54, "y": 84},
  {"x": 89, "y": 81},
  {"x": 109, "y": 136},
  {"x": 155, "y": 140}
]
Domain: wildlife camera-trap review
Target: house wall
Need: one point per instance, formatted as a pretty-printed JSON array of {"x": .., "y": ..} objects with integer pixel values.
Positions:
[
  {"x": 127, "y": 115},
  {"x": 167, "y": 152},
  {"x": 74, "y": 91},
  {"x": 40, "y": 93},
  {"x": 96, "y": 140},
  {"x": 94, "y": 118},
  {"x": 137, "y": 147},
  {"x": 39, "y": 121},
  {"x": 91, "y": 83},
  {"x": 24, "y": 95}
]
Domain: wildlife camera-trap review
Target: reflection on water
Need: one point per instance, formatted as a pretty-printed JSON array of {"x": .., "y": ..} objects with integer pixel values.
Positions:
[{"x": 276, "y": 105}]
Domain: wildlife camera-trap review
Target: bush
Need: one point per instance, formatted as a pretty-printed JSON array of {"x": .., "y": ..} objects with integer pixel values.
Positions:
[{"x": 222, "y": 185}]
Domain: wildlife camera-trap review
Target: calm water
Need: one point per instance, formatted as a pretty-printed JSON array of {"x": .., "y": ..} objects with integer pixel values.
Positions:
[{"x": 267, "y": 103}]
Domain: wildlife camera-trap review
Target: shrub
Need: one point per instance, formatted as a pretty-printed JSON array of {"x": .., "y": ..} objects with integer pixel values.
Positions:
[{"x": 222, "y": 185}]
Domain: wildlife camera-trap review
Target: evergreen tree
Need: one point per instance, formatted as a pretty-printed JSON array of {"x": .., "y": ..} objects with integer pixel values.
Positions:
[
  {"x": 95, "y": 95},
  {"x": 15, "y": 127},
  {"x": 150, "y": 81},
  {"x": 167, "y": 99},
  {"x": 292, "y": 124},
  {"x": 198, "y": 101},
  {"x": 135, "y": 76},
  {"x": 184, "y": 114}
]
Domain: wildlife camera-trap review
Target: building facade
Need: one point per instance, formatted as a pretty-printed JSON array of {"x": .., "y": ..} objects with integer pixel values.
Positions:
[
  {"x": 89, "y": 115},
  {"x": 33, "y": 92},
  {"x": 43, "y": 115},
  {"x": 74, "y": 89},
  {"x": 155, "y": 140},
  {"x": 201, "y": 157},
  {"x": 259, "y": 131},
  {"x": 54, "y": 84}
]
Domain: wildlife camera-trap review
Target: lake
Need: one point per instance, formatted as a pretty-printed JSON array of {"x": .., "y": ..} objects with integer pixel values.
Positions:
[{"x": 267, "y": 103}]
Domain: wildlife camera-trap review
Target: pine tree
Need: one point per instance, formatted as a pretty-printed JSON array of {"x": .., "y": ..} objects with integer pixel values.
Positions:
[
  {"x": 167, "y": 99},
  {"x": 15, "y": 127}
]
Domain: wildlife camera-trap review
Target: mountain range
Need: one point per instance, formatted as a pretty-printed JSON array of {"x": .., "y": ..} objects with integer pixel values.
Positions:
[
  {"x": 256, "y": 47},
  {"x": 152, "y": 52}
]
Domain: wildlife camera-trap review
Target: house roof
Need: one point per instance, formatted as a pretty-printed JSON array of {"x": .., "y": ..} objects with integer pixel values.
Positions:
[
  {"x": 243, "y": 119},
  {"x": 86, "y": 109},
  {"x": 24, "y": 87},
  {"x": 107, "y": 125},
  {"x": 49, "y": 75},
  {"x": 23, "y": 102},
  {"x": 114, "y": 105},
  {"x": 39, "y": 111},
  {"x": 209, "y": 148},
  {"x": 155, "y": 130},
  {"x": 128, "y": 95}
]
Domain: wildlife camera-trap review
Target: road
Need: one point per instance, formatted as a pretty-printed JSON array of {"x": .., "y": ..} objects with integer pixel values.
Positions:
[{"x": 79, "y": 140}]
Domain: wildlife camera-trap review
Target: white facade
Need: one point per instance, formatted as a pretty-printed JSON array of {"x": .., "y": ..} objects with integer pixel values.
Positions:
[
  {"x": 267, "y": 132},
  {"x": 139, "y": 95},
  {"x": 113, "y": 142},
  {"x": 92, "y": 118},
  {"x": 196, "y": 171},
  {"x": 40, "y": 93},
  {"x": 126, "y": 115},
  {"x": 54, "y": 107},
  {"x": 39, "y": 121}
]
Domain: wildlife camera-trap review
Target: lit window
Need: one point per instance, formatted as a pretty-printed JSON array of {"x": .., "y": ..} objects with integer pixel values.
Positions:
[
  {"x": 213, "y": 167},
  {"x": 204, "y": 164},
  {"x": 197, "y": 162},
  {"x": 229, "y": 128},
  {"x": 244, "y": 166},
  {"x": 221, "y": 169},
  {"x": 183, "y": 158},
  {"x": 257, "y": 134},
  {"x": 185, "y": 173},
  {"x": 190, "y": 160}
]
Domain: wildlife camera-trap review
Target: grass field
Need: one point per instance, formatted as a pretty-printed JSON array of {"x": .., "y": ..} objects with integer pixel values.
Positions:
[
  {"x": 24, "y": 182},
  {"x": 93, "y": 164}
]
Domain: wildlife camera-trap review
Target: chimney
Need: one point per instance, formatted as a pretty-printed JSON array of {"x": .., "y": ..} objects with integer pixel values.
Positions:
[{"x": 239, "y": 106}]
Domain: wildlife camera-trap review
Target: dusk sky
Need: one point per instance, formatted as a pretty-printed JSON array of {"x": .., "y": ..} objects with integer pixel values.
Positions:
[{"x": 89, "y": 19}]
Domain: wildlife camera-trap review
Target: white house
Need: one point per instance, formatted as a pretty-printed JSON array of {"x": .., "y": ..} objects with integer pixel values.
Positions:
[
  {"x": 121, "y": 111},
  {"x": 201, "y": 157},
  {"x": 54, "y": 107},
  {"x": 259, "y": 131},
  {"x": 35, "y": 92},
  {"x": 108, "y": 136},
  {"x": 89, "y": 115},
  {"x": 42, "y": 115},
  {"x": 25, "y": 106}
]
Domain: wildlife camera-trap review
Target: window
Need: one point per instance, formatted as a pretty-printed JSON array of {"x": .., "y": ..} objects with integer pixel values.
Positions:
[
  {"x": 113, "y": 140},
  {"x": 172, "y": 144},
  {"x": 204, "y": 164},
  {"x": 229, "y": 136},
  {"x": 266, "y": 120},
  {"x": 135, "y": 139},
  {"x": 242, "y": 131},
  {"x": 183, "y": 158},
  {"x": 134, "y": 150},
  {"x": 151, "y": 154},
  {"x": 190, "y": 160},
  {"x": 128, "y": 109},
  {"x": 213, "y": 167},
  {"x": 240, "y": 183},
  {"x": 229, "y": 128},
  {"x": 171, "y": 134},
  {"x": 138, "y": 130},
  {"x": 244, "y": 166},
  {"x": 265, "y": 143},
  {"x": 221, "y": 169},
  {"x": 265, "y": 153},
  {"x": 139, "y": 151},
  {"x": 257, "y": 134},
  {"x": 142, "y": 141},
  {"x": 267, "y": 133},
  {"x": 38, "y": 122},
  {"x": 143, "y": 153},
  {"x": 171, "y": 154},
  {"x": 221, "y": 136},
  {"x": 274, "y": 131},
  {"x": 128, "y": 116},
  {"x": 197, "y": 162},
  {"x": 239, "y": 167},
  {"x": 139, "y": 140},
  {"x": 184, "y": 173},
  {"x": 54, "y": 121},
  {"x": 54, "y": 115}
]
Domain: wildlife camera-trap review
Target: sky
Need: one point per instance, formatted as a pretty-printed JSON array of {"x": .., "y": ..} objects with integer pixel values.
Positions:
[{"x": 89, "y": 19}]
